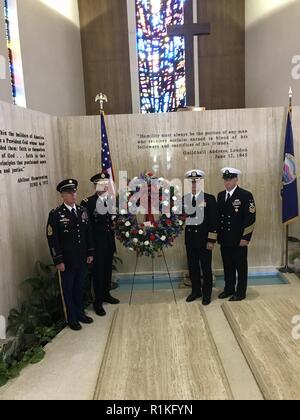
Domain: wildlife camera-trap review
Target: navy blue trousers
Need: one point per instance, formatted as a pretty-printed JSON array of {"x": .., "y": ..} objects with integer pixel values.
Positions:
[
  {"x": 235, "y": 262},
  {"x": 72, "y": 284},
  {"x": 200, "y": 257},
  {"x": 102, "y": 274}
]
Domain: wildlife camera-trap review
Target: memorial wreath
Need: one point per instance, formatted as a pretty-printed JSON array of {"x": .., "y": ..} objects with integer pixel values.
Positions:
[{"x": 150, "y": 236}]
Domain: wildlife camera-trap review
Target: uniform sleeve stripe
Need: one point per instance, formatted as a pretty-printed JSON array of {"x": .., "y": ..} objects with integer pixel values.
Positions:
[
  {"x": 212, "y": 235},
  {"x": 249, "y": 229}
]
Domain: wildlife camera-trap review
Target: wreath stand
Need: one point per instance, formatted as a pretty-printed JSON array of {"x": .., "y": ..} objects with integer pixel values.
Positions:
[{"x": 153, "y": 275}]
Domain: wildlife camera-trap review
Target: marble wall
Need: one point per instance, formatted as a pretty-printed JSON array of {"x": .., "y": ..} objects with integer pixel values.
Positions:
[
  {"x": 168, "y": 144},
  {"x": 254, "y": 138},
  {"x": 24, "y": 204}
]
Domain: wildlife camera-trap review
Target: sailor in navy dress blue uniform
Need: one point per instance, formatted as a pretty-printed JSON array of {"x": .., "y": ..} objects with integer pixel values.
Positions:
[
  {"x": 71, "y": 245},
  {"x": 200, "y": 237},
  {"x": 100, "y": 208},
  {"x": 236, "y": 222}
]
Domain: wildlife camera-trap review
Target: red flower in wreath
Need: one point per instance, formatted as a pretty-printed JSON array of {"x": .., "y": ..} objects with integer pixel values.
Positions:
[{"x": 149, "y": 238}]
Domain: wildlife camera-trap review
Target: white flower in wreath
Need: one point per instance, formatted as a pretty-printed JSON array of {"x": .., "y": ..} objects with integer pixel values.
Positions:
[
  {"x": 135, "y": 240},
  {"x": 123, "y": 211},
  {"x": 167, "y": 191},
  {"x": 180, "y": 222},
  {"x": 174, "y": 198},
  {"x": 127, "y": 224},
  {"x": 141, "y": 232},
  {"x": 165, "y": 203},
  {"x": 127, "y": 235},
  {"x": 163, "y": 238},
  {"x": 146, "y": 243},
  {"x": 130, "y": 204}
]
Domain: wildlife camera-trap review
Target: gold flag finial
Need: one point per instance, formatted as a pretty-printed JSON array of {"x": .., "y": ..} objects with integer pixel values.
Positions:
[{"x": 101, "y": 98}]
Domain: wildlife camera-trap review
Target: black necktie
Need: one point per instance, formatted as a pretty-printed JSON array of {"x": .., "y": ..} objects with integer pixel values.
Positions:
[
  {"x": 194, "y": 201},
  {"x": 74, "y": 212},
  {"x": 227, "y": 197}
]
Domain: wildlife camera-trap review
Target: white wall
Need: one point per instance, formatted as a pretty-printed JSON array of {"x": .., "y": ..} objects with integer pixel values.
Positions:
[
  {"x": 272, "y": 40},
  {"x": 5, "y": 91},
  {"x": 51, "y": 56}
]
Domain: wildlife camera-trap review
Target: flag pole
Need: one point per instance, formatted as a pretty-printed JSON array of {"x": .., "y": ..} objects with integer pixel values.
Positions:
[
  {"x": 286, "y": 268},
  {"x": 101, "y": 98}
]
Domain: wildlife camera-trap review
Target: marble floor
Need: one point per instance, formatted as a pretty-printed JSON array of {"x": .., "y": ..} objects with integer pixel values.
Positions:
[
  {"x": 147, "y": 359},
  {"x": 71, "y": 367},
  {"x": 264, "y": 330}
]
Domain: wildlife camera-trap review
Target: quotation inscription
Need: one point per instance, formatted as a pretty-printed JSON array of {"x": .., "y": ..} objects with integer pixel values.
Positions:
[
  {"x": 217, "y": 144},
  {"x": 20, "y": 154}
]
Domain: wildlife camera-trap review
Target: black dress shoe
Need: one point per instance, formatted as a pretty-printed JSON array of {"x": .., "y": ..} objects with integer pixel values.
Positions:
[
  {"x": 75, "y": 327},
  {"x": 236, "y": 299},
  {"x": 206, "y": 302},
  {"x": 100, "y": 311},
  {"x": 193, "y": 297},
  {"x": 225, "y": 295},
  {"x": 86, "y": 320},
  {"x": 111, "y": 300}
]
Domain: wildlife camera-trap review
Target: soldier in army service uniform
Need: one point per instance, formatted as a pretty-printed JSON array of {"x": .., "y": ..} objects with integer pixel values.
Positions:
[
  {"x": 99, "y": 207},
  {"x": 71, "y": 245},
  {"x": 200, "y": 237},
  {"x": 236, "y": 221}
]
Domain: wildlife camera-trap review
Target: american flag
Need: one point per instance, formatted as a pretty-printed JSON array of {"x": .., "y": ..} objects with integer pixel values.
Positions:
[{"x": 106, "y": 156}]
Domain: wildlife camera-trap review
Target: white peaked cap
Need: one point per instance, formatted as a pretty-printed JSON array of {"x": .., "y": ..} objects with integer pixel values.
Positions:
[
  {"x": 195, "y": 173},
  {"x": 231, "y": 171}
]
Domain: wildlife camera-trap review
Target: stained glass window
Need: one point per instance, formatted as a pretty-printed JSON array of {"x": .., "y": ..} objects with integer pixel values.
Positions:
[
  {"x": 161, "y": 59},
  {"x": 14, "y": 52},
  {"x": 10, "y": 54}
]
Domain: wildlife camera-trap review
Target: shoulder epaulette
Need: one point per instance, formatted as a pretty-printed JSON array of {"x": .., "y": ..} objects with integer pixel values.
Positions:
[{"x": 54, "y": 210}]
